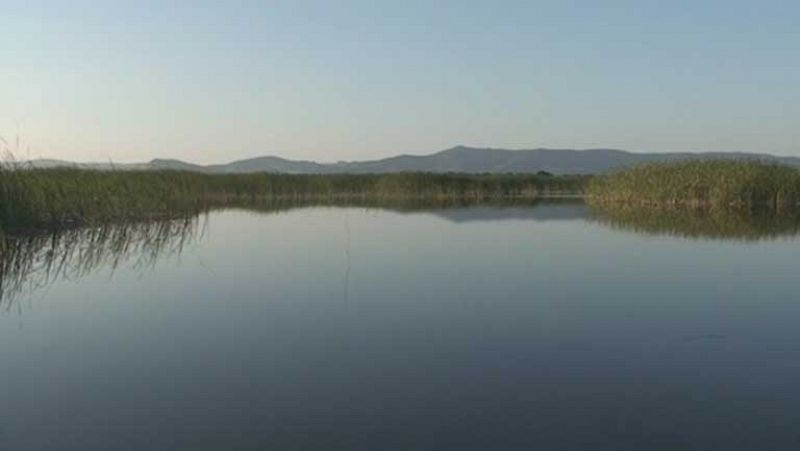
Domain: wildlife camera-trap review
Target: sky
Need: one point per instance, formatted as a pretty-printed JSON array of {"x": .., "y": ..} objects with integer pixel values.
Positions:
[{"x": 333, "y": 80}]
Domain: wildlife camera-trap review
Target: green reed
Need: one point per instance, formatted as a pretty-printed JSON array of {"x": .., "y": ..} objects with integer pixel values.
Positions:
[
  {"x": 52, "y": 198},
  {"x": 700, "y": 183}
]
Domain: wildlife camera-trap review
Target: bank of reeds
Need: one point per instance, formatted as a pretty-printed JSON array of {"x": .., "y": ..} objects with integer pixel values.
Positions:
[
  {"x": 735, "y": 184},
  {"x": 42, "y": 198}
]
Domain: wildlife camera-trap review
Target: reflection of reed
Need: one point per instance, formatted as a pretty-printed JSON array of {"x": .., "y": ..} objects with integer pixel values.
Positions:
[
  {"x": 29, "y": 261},
  {"x": 705, "y": 223},
  {"x": 347, "y": 266},
  {"x": 400, "y": 205},
  {"x": 35, "y": 261}
]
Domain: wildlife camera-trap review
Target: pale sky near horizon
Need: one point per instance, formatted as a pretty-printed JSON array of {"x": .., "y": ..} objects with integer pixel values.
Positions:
[{"x": 341, "y": 80}]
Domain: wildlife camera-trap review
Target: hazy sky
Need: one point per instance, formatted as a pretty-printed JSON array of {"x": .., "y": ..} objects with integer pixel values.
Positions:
[{"x": 329, "y": 80}]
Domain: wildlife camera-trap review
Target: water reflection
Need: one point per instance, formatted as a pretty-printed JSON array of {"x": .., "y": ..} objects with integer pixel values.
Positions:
[
  {"x": 718, "y": 224},
  {"x": 453, "y": 210},
  {"x": 543, "y": 210},
  {"x": 529, "y": 329},
  {"x": 31, "y": 262}
]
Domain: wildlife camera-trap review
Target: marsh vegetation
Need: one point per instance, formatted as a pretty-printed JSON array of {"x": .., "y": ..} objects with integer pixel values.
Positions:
[
  {"x": 737, "y": 184},
  {"x": 52, "y": 198}
]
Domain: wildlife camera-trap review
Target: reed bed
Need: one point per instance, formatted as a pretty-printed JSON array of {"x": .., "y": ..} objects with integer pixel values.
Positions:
[
  {"x": 735, "y": 184},
  {"x": 52, "y": 198}
]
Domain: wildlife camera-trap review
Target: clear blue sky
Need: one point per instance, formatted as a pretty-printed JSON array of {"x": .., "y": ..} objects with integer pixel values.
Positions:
[{"x": 330, "y": 80}]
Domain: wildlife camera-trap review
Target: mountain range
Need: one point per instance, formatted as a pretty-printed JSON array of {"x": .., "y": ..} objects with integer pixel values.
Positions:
[{"x": 456, "y": 159}]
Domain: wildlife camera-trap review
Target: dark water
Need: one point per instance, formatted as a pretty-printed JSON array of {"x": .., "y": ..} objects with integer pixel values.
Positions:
[{"x": 327, "y": 328}]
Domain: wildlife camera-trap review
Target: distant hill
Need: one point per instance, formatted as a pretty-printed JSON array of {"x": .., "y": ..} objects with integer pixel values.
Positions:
[
  {"x": 456, "y": 159},
  {"x": 51, "y": 163}
]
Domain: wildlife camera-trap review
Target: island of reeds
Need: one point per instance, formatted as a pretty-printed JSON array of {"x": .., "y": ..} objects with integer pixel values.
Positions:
[
  {"x": 51, "y": 198},
  {"x": 730, "y": 184}
]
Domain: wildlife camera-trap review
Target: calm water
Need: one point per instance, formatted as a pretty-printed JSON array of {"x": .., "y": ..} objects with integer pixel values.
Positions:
[{"x": 330, "y": 328}]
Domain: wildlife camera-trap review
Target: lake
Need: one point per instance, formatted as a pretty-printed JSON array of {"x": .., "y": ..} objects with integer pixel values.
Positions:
[{"x": 487, "y": 327}]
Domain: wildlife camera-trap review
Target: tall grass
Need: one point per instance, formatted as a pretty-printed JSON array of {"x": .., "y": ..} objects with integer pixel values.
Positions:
[
  {"x": 36, "y": 198},
  {"x": 708, "y": 183}
]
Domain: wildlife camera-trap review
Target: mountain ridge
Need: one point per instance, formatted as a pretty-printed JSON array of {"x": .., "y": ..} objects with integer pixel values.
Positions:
[{"x": 455, "y": 159}]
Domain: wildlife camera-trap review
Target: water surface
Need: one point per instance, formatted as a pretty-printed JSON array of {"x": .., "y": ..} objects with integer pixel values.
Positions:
[{"x": 543, "y": 327}]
